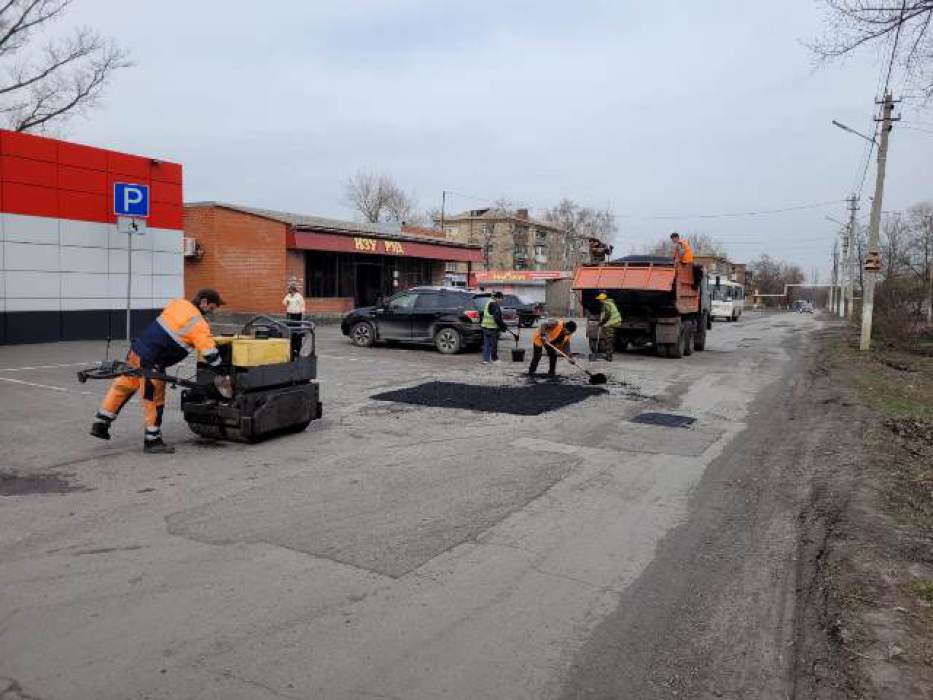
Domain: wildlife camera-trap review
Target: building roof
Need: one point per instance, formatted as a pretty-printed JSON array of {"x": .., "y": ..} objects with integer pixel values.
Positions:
[
  {"x": 319, "y": 223},
  {"x": 493, "y": 214}
]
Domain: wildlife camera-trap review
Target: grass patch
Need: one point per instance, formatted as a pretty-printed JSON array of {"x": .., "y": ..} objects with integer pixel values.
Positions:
[
  {"x": 894, "y": 399},
  {"x": 885, "y": 386},
  {"x": 924, "y": 589}
]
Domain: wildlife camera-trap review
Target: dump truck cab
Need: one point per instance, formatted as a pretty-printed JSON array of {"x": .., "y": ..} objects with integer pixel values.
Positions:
[{"x": 664, "y": 302}]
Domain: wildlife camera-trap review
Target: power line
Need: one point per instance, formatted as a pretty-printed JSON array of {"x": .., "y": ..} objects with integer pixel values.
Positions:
[
  {"x": 897, "y": 36},
  {"x": 761, "y": 212},
  {"x": 917, "y": 128}
]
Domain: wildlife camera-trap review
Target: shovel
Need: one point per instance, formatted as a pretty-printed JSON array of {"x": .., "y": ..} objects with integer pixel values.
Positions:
[{"x": 595, "y": 377}]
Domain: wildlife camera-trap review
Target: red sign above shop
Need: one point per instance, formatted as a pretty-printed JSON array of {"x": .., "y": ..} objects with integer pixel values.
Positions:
[
  {"x": 519, "y": 275},
  {"x": 332, "y": 242}
]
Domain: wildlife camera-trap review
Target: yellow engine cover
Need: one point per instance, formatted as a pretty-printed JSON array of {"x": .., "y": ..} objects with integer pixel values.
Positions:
[{"x": 253, "y": 352}]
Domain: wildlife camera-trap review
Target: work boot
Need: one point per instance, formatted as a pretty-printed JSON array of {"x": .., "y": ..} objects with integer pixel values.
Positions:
[
  {"x": 157, "y": 447},
  {"x": 100, "y": 429},
  {"x": 608, "y": 357}
]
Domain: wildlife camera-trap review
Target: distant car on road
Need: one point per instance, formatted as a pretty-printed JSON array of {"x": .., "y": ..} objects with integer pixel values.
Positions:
[
  {"x": 528, "y": 312},
  {"x": 447, "y": 317}
]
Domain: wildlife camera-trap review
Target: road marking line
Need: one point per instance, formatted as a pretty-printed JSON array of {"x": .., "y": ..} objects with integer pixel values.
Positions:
[
  {"x": 41, "y": 386},
  {"x": 25, "y": 369}
]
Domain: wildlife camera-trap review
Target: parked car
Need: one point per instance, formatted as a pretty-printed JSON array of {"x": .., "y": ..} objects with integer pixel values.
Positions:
[
  {"x": 509, "y": 313},
  {"x": 528, "y": 312},
  {"x": 447, "y": 317}
]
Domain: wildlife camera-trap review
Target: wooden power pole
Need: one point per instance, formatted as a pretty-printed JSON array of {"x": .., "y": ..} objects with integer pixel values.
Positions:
[{"x": 873, "y": 257}]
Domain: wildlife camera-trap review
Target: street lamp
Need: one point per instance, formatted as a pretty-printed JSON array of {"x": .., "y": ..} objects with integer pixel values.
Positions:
[{"x": 853, "y": 131}]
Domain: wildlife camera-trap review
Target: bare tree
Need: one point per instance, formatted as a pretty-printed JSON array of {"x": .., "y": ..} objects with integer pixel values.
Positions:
[
  {"x": 41, "y": 85},
  {"x": 921, "y": 224},
  {"x": 399, "y": 206},
  {"x": 365, "y": 194},
  {"x": 378, "y": 198},
  {"x": 770, "y": 276},
  {"x": 582, "y": 226},
  {"x": 854, "y": 24}
]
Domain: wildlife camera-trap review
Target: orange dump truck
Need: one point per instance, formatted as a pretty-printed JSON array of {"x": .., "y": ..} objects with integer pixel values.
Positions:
[{"x": 664, "y": 303}]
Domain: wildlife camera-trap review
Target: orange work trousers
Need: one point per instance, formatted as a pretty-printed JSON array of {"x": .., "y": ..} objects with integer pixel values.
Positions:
[{"x": 122, "y": 390}]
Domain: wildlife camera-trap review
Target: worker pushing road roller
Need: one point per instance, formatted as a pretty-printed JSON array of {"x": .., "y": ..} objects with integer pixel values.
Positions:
[{"x": 254, "y": 384}]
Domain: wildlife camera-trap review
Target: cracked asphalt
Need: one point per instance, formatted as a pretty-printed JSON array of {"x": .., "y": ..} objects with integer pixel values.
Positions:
[{"x": 389, "y": 551}]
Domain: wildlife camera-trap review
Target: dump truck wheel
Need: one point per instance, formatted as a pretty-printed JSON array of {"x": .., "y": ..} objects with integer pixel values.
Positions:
[
  {"x": 699, "y": 340},
  {"x": 676, "y": 350},
  {"x": 363, "y": 334},
  {"x": 688, "y": 344}
]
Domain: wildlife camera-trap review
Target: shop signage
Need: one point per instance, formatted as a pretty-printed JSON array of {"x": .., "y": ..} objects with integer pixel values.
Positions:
[
  {"x": 519, "y": 275},
  {"x": 371, "y": 245}
]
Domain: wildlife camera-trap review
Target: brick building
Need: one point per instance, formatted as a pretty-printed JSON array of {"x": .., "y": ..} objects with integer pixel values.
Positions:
[
  {"x": 513, "y": 240},
  {"x": 714, "y": 265},
  {"x": 63, "y": 264},
  {"x": 251, "y": 255}
]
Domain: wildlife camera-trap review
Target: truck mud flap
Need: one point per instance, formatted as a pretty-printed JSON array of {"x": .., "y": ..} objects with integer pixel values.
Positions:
[{"x": 667, "y": 330}]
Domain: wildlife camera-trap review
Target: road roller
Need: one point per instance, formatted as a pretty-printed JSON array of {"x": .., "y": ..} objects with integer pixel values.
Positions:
[{"x": 273, "y": 389}]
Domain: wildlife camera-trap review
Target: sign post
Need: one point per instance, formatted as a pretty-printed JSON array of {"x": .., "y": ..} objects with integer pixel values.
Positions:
[{"x": 131, "y": 205}]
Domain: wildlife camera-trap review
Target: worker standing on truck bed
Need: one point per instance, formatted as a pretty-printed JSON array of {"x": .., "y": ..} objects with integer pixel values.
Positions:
[
  {"x": 682, "y": 250},
  {"x": 179, "y": 329},
  {"x": 609, "y": 321},
  {"x": 557, "y": 335}
]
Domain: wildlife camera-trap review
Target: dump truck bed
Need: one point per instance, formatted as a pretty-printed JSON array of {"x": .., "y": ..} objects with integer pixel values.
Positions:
[
  {"x": 650, "y": 277},
  {"x": 646, "y": 281}
]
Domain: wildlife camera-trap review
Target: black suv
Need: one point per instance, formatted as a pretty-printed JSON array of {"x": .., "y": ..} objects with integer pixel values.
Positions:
[
  {"x": 445, "y": 316},
  {"x": 528, "y": 312}
]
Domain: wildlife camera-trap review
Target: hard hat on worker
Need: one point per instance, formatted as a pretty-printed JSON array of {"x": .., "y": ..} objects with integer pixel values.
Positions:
[{"x": 602, "y": 296}]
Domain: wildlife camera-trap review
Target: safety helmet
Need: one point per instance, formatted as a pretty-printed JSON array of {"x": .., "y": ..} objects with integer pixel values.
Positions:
[{"x": 602, "y": 296}]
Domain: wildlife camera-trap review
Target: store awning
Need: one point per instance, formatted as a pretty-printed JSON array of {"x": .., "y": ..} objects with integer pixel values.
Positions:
[{"x": 403, "y": 247}]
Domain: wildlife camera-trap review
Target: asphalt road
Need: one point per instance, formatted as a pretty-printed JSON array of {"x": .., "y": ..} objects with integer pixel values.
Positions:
[{"x": 401, "y": 551}]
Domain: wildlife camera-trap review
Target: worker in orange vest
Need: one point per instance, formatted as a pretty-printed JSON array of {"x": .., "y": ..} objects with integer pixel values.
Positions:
[
  {"x": 179, "y": 329},
  {"x": 557, "y": 334},
  {"x": 682, "y": 250}
]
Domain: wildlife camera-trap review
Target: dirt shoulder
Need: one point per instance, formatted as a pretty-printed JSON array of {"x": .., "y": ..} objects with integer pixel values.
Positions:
[{"x": 864, "y": 614}]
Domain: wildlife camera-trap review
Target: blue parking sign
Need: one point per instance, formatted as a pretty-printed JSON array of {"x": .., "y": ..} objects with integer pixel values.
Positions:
[{"x": 130, "y": 199}]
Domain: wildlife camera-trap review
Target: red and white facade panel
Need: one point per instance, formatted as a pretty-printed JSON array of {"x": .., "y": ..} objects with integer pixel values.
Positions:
[{"x": 63, "y": 264}]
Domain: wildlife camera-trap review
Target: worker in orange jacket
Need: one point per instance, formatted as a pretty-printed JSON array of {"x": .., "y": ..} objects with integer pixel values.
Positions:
[
  {"x": 682, "y": 249},
  {"x": 557, "y": 334},
  {"x": 179, "y": 329}
]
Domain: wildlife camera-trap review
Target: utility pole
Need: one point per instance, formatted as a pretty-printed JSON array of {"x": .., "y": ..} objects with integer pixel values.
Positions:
[
  {"x": 851, "y": 260},
  {"x": 873, "y": 256},
  {"x": 833, "y": 293},
  {"x": 443, "y": 207}
]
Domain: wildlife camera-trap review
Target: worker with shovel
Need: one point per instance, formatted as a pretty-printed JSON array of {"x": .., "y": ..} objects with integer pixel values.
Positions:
[{"x": 553, "y": 336}]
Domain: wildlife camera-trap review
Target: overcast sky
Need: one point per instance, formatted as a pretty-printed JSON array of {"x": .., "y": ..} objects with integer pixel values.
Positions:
[{"x": 654, "y": 109}]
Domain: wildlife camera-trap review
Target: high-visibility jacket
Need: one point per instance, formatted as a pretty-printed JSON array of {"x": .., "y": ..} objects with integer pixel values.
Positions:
[
  {"x": 686, "y": 252},
  {"x": 611, "y": 316},
  {"x": 489, "y": 319},
  {"x": 556, "y": 335},
  {"x": 178, "y": 330}
]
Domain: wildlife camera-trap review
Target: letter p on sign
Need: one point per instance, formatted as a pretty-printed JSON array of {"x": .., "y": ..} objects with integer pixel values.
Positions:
[{"x": 130, "y": 199}]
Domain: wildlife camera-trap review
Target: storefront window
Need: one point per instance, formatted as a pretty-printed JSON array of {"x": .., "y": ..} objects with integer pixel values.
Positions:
[
  {"x": 321, "y": 274},
  {"x": 364, "y": 278}
]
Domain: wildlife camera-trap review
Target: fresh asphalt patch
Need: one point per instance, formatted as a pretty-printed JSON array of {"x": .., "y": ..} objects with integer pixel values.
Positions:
[
  {"x": 667, "y": 420},
  {"x": 529, "y": 400}
]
